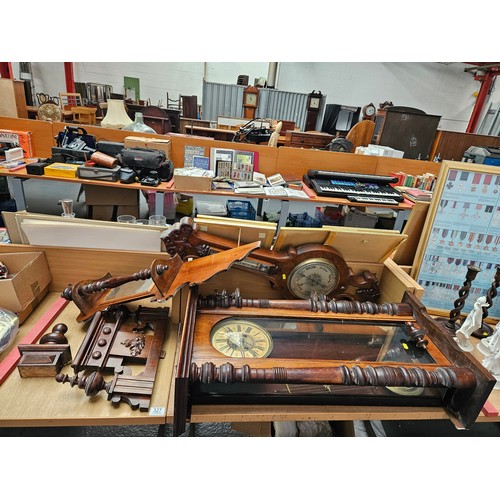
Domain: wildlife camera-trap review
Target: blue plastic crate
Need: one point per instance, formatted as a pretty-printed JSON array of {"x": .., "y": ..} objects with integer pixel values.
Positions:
[
  {"x": 240, "y": 209},
  {"x": 303, "y": 220}
]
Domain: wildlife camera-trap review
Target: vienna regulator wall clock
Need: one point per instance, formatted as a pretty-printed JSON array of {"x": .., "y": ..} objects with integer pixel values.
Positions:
[{"x": 320, "y": 351}]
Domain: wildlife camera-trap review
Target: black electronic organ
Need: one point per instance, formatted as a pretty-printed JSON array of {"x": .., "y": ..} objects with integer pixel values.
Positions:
[{"x": 362, "y": 188}]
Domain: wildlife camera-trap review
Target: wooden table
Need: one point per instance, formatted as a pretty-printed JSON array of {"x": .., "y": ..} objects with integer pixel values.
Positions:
[
  {"x": 17, "y": 178},
  {"x": 220, "y": 134},
  {"x": 41, "y": 402}
]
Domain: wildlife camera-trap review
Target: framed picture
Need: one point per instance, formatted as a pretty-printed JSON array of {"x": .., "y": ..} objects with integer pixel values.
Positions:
[
  {"x": 220, "y": 154},
  {"x": 244, "y": 157},
  {"x": 190, "y": 152},
  {"x": 201, "y": 162},
  {"x": 462, "y": 228},
  {"x": 242, "y": 172},
  {"x": 224, "y": 168}
]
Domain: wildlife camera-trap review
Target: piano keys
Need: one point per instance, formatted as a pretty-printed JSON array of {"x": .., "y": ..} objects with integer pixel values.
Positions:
[{"x": 369, "y": 188}]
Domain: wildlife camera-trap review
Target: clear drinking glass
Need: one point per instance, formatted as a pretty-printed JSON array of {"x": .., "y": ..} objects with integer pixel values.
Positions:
[
  {"x": 129, "y": 219},
  {"x": 157, "y": 220}
]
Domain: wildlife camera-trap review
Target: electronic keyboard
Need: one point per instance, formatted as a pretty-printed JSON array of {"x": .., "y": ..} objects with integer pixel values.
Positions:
[
  {"x": 369, "y": 199},
  {"x": 345, "y": 184}
]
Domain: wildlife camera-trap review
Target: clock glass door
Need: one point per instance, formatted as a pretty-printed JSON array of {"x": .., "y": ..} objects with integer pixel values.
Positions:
[
  {"x": 273, "y": 342},
  {"x": 306, "y": 339}
]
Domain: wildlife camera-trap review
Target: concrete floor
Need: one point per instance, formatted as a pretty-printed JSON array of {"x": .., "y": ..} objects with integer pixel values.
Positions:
[{"x": 392, "y": 428}]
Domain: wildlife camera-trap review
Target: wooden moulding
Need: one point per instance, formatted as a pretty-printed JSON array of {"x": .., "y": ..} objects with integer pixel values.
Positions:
[
  {"x": 109, "y": 344},
  {"x": 162, "y": 280}
]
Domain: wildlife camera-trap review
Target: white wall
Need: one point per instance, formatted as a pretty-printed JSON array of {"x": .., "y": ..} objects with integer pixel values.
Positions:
[{"x": 437, "y": 89}]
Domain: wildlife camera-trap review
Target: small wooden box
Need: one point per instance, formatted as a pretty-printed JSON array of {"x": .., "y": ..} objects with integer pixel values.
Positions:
[{"x": 42, "y": 360}]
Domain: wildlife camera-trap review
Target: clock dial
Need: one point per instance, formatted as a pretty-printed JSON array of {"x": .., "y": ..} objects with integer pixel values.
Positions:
[
  {"x": 318, "y": 275},
  {"x": 239, "y": 338},
  {"x": 369, "y": 110},
  {"x": 314, "y": 102},
  {"x": 251, "y": 99}
]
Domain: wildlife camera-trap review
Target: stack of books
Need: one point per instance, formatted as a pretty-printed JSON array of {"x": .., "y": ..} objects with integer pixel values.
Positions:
[
  {"x": 415, "y": 194},
  {"x": 422, "y": 181}
]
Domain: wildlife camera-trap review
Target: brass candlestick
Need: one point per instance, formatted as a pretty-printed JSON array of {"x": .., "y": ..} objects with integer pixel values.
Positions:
[{"x": 451, "y": 324}]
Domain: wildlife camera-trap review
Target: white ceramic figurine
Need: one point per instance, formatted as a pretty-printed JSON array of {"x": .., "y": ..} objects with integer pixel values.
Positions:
[{"x": 472, "y": 322}]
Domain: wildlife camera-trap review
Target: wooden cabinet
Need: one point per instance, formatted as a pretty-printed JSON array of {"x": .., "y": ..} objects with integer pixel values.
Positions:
[
  {"x": 451, "y": 145},
  {"x": 12, "y": 98}
]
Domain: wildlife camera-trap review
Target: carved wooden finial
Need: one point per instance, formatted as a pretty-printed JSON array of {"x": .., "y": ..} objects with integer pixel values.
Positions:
[
  {"x": 91, "y": 384},
  {"x": 56, "y": 336}
]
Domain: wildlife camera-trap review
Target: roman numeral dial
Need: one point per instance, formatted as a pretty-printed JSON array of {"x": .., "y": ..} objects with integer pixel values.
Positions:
[{"x": 239, "y": 338}]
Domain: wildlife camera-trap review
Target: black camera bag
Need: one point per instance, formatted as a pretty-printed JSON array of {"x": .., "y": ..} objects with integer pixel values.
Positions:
[{"x": 143, "y": 161}]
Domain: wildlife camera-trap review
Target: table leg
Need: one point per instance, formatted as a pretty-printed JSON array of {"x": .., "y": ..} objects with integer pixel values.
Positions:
[
  {"x": 260, "y": 203},
  {"x": 159, "y": 201},
  {"x": 285, "y": 210},
  {"x": 402, "y": 216},
  {"x": 17, "y": 192}
]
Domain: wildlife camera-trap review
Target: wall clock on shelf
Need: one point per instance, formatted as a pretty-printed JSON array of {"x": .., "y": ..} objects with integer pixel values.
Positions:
[
  {"x": 368, "y": 112},
  {"x": 313, "y": 107},
  {"x": 250, "y": 102}
]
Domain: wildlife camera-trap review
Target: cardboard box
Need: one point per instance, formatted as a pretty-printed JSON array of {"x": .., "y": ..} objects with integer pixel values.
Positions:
[
  {"x": 357, "y": 218},
  {"x": 103, "y": 200},
  {"x": 18, "y": 138},
  {"x": 192, "y": 183},
  {"x": 149, "y": 143},
  {"x": 27, "y": 284},
  {"x": 107, "y": 212}
]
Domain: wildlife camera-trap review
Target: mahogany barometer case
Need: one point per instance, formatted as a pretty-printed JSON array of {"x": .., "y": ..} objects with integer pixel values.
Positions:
[{"x": 321, "y": 351}]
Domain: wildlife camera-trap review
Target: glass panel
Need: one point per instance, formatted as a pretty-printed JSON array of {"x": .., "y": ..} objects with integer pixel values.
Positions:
[
  {"x": 313, "y": 339},
  {"x": 131, "y": 289}
]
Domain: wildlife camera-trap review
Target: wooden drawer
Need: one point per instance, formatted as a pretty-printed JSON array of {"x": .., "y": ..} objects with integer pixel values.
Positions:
[{"x": 307, "y": 139}]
